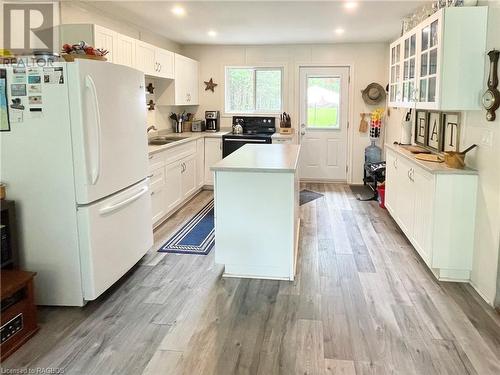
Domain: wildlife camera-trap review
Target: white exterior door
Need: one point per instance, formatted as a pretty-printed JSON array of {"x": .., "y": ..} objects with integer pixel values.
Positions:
[
  {"x": 107, "y": 125},
  {"x": 323, "y": 118}
]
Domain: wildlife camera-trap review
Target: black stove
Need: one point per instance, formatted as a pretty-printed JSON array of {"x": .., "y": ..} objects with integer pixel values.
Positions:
[{"x": 256, "y": 130}]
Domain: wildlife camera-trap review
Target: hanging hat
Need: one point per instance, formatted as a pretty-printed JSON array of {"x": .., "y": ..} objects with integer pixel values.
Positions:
[{"x": 373, "y": 94}]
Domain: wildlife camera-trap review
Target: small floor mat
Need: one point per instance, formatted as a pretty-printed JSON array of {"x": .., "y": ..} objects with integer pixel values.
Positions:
[
  {"x": 307, "y": 196},
  {"x": 362, "y": 192}
]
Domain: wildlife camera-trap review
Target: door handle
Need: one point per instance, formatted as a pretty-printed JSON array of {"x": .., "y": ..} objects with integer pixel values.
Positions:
[
  {"x": 96, "y": 143},
  {"x": 114, "y": 207},
  {"x": 246, "y": 140}
]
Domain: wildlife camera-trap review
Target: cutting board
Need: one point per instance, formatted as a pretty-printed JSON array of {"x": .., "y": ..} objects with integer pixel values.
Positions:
[
  {"x": 416, "y": 149},
  {"x": 429, "y": 157}
]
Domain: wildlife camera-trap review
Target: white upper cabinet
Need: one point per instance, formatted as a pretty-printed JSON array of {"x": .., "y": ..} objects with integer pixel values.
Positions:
[
  {"x": 106, "y": 39},
  {"x": 145, "y": 57},
  {"x": 124, "y": 51},
  {"x": 154, "y": 61},
  {"x": 439, "y": 65},
  {"x": 186, "y": 80},
  {"x": 164, "y": 63}
]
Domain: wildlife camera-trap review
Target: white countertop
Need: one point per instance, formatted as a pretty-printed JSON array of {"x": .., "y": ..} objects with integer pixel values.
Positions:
[
  {"x": 261, "y": 158},
  {"x": 429, "y": 166},
  {"x": 188, "y": 137}
]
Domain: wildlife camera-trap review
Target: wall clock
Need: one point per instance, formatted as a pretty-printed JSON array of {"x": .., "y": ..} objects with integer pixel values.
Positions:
[{"x": 491, "y": 98}]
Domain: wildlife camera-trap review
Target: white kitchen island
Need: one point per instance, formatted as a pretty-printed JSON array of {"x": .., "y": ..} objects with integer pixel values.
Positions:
[{"x": 257, "y": 211}]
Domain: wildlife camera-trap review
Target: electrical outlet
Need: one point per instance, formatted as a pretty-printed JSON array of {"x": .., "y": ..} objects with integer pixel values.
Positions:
[{"x": 487, "y": 138}]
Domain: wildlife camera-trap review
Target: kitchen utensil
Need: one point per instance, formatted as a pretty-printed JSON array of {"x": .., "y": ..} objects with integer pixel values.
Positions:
[
  {"x": 363, "y": 124},
  {"x": 457, "y": 159},
  {"x": 429, "y": 157}
]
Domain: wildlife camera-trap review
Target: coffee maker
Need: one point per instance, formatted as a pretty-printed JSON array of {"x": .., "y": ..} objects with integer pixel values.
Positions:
[{"x": 212, "y": 119}]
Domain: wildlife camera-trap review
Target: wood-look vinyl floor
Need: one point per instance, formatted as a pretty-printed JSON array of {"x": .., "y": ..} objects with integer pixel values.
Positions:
[{"x": 362, "y": 303}]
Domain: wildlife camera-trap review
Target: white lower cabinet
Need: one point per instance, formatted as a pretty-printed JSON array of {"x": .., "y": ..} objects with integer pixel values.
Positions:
[
  {"x": 435, "y": 208},
  {"x": 173, "y": 185},
  {"x": 213, "y": 154},
  {"x": 175, "y": 175}
]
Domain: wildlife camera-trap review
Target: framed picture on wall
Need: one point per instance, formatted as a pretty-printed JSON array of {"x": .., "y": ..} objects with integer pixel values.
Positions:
[
  {"x": 434, "y": 131},
  {"x": 420, "y": 127},
  {"x": 451, "y": 131}
]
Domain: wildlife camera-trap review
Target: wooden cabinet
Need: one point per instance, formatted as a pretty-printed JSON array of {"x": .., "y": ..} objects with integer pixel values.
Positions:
[
  {"x": 435, "y": 209},
  {"x": 125, "y": 51},
  {"x": 213, "y": 154},
  {"x": 439, "y": 65}
]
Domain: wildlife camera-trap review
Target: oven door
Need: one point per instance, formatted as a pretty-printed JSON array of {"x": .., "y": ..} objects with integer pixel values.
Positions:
[{"x": 231, "y": 144}]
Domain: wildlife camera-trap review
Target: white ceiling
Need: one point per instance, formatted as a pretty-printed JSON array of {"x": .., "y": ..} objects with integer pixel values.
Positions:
[{"x": 266, "y": 22}]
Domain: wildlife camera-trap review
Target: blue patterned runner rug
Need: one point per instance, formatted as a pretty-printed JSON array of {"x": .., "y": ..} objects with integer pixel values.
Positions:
[{"x": 197, "y": 236}]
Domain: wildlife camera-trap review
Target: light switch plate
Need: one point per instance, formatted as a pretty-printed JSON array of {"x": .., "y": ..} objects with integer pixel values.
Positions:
[{"x": 487, "y": 138}]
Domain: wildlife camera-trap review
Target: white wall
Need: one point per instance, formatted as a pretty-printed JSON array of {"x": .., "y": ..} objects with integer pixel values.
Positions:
[
  {"x": 368, "y": 61},
  {"x": 486, "y": 159}
]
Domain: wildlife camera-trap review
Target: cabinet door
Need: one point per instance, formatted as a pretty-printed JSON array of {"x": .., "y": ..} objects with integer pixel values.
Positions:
[
  {"x": 157, "y": 185},
  {"x": 164, "y": 63},
  {"x": 406, "y": 196},
  {"x": 422, "y": 229},
  {"x": 391, "y": 182},
  {"x": 192, "y": 77},
  {"x": 125, "y": 51},
  {"x": 200, "y": 162},
  {"x": 409, "y": 70},
  {"x": 145, "y": 58},
  {"x": 173, "y": 185},
  {"x": 188, "y": 169},
  {"x": 429, "y": 56},
  {"x": 395, "y": 74},
  {"x": 181, "y": 87},
  {"x": 213, "y": 153},
  {"x": 105, "y": 39}
]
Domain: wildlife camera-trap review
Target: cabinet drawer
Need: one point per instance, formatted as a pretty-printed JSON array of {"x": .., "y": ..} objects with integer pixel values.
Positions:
[
  {"x": 157, "y": 179},
  {"x": 179, "y": 152},
  {"x": 156, "y": 161}
]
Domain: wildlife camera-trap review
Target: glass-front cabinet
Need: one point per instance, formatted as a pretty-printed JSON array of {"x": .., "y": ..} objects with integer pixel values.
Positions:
[
  {"x": 439, "y": 64},
  {"x": 395, "y": 73},
  {"x": 429, "y": 52}
]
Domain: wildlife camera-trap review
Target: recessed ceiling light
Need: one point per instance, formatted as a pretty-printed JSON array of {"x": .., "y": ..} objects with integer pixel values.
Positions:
[
  {"x": 350, "y": 5},
  {"x": 178, "y": 11},
  {"x": 339, "y": 31},
  {"x": 212, "y": 33}
]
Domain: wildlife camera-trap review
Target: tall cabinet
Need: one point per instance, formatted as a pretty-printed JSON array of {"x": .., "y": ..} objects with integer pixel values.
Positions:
[{"x": 439, "y": 64}]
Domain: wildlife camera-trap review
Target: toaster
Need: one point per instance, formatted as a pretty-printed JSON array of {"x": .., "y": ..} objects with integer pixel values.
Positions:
[{"x": 198, "y": 126}]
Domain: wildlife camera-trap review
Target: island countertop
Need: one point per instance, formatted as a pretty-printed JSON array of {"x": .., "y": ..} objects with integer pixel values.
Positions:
[{"x": 261, "y": 158}]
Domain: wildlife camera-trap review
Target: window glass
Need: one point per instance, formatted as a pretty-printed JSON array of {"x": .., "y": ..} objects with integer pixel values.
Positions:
[{"x": 323, "y": 102}]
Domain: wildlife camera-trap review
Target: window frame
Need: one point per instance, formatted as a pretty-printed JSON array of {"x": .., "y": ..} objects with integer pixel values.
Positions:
[{"x": 255, "y": 68}]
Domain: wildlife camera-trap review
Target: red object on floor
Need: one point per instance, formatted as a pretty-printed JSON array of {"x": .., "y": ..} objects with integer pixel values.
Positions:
[{"x": 381, "y": 196}]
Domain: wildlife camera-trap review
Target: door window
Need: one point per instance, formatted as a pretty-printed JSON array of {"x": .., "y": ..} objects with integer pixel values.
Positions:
[{"x": 323, "y": 102}]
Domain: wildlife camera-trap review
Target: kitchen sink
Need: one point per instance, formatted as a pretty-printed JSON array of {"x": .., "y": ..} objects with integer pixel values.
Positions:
[{"x": 158, "y": 141}]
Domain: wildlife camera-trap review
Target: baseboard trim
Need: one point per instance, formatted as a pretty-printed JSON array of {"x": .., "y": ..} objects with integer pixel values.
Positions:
[{"x": 481, "y": 294}]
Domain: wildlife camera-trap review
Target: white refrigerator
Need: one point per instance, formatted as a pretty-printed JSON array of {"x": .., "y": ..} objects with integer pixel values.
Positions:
[{"x": 75, "y": 161}]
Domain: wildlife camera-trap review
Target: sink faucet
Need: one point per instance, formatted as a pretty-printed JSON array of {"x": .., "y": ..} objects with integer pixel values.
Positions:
[{"x": 152, "y": 127}]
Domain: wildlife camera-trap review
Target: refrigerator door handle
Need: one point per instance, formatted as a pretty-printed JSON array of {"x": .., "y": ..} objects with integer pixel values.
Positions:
[
  {"x": 111, "y": 208},
  {"x": 95, "y": 143}
]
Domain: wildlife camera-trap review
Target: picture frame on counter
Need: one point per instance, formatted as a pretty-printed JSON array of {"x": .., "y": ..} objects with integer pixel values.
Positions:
[
  {"x": 420, "y": 127},
  {"x": 451, "y": 131},
  {"x": 434, "y": 135}
]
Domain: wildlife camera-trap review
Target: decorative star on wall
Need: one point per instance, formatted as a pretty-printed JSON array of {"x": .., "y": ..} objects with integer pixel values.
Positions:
[{"x": 210, "y": 85}]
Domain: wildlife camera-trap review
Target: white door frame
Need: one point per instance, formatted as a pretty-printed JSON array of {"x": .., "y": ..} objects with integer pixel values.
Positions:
[{"x": 350, "y": 105}]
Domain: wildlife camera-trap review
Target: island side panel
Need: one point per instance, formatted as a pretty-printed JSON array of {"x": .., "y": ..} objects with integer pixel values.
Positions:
[{"x": 255, "y": 223}]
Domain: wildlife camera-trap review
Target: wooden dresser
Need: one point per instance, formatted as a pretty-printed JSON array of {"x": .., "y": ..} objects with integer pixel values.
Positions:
[{"x": 18, "y": 318}]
